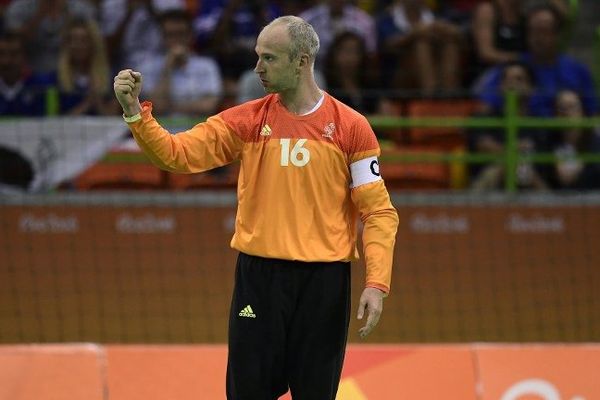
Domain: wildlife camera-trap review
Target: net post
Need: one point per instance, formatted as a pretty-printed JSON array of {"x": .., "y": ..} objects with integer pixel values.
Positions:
[
  {"x": 511, "y": 108},
  {"x": 52, "y": 102}
]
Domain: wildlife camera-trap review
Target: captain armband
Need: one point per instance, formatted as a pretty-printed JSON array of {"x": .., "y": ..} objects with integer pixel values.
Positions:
[{"x": 365, "y": 171}]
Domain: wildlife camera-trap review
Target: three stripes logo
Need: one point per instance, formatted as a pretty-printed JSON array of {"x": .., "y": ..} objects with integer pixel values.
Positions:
[
  {"x": 265, "y": 131},
  {"x": 247, "y": 312}
]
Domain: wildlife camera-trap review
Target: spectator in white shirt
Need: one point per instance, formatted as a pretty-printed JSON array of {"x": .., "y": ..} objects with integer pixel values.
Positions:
[{"x": 179, "y": 81}]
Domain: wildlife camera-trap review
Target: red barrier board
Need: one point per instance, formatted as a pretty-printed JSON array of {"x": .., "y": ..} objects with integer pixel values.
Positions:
[
  {"x": 431, "y": 372},
  {"x": 52, "y": 372},
  {"x": 550, "y": 372}
]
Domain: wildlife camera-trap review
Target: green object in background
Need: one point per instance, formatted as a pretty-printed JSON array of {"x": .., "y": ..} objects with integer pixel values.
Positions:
[
  {"x": 571, "y": 21},
  {"x": 52, "y": 102},
  {"x": 511, "y": 111}
]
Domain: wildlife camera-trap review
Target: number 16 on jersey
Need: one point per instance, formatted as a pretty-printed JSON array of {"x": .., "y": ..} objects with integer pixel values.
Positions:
[{"x": 299, "y": 155}]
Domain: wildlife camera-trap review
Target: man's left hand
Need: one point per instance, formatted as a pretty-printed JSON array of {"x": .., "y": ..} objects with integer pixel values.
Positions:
[{"x": 371, "y": 300}]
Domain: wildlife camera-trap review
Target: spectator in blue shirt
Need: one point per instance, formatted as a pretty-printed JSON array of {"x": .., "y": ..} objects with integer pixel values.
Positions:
[
  {"x": 553, "y": 71},
  {"x": 518, "y": 78},
  {"x": 21, "y": 91}
]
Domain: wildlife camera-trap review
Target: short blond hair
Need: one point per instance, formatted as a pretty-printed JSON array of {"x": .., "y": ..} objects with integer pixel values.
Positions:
[
  {"x": 303, "y": 38},
  {"x": 99, "y": 72}
]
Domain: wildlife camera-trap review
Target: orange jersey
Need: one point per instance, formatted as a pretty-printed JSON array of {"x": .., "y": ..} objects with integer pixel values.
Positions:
[{"x": 303, "y": 180}]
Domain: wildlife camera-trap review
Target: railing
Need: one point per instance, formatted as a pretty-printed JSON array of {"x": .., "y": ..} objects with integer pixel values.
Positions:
[{"x": 511, "y": 122}]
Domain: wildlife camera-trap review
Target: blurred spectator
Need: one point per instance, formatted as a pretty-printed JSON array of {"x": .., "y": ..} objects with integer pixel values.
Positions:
[
  {"x": 418, "y": 50},
  {"x": 83, "y": 71},
  {"x": 515, "y": 77},
  {"x": 3, "y": 5},
  {"x": 560, "y": 6},
  {"x": 21, "y": 91},
  {"x": 332, "y": 17},
  {"x": 346, "y": 72},
  {"x": 250, "y": 87},
  {"x": 41, "y": 22},
  {"x": 228, "y": 29},
  {"x": 458, "y": 12},
  {"x": 178, "y": 80},
  {"x": 568, "y": 172},
  {"x": 498, "y": 34},
  {"x": 553, "y": 70},
  {"x": 124, "y": 22}
]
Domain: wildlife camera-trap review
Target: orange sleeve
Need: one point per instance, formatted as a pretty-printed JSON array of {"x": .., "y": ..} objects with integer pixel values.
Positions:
[
  {"x": 207, "y": 145},
  {"x": 380, "y": 221},
  {"x": 376, "y": 212}
]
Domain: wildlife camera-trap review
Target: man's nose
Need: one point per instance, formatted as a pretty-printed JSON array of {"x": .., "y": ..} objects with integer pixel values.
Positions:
[{"x": 259, "y": 67}]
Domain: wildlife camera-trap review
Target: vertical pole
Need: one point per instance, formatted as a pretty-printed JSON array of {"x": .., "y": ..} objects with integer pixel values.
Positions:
[
  {"x": 511, "y": 115},
  {"x": 52, "y": 106}
]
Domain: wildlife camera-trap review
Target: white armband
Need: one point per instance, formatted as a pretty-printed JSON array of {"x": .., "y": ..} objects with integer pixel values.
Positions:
[
  {"x": 133, "y": 118},
  {"x": 364, "y": 171}
]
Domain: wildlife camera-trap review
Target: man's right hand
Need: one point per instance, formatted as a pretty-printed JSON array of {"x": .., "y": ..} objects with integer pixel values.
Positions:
[{"x": 128, "y": 85}]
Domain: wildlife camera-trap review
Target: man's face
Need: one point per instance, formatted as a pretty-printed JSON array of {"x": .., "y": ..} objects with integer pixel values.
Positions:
[
  {"x": 78, "y": 43},
  {"x": 568, "y": 105},
  {"x": 12, "y": 59},
  {"x": 337, "y": 6},
  {"x": 274, "y": 68},
  {"x": 348, "y": 54},
  {"x": 542, "y": 34},
  {"x": 516, "y": 79},
  {"x": 176, "y": 33}
]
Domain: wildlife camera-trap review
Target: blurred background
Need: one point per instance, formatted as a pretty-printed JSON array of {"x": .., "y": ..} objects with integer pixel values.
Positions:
[{"x": 487, "y": 116}]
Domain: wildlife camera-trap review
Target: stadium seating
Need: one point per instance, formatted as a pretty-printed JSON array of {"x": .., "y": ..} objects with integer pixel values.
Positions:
[
  {"x": 446, "y": 138},
  {"x": 418, "y": 175}
]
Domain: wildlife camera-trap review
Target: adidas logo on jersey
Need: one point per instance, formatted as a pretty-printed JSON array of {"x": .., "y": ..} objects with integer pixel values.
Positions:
[
  {"x": 247, "y": 312},
  {"x": 265, "y": 131},
  {"x": 329, "y": 129}
]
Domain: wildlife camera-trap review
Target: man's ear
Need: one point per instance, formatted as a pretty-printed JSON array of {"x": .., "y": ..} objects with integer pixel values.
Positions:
[{"x": 303, "y": 60}]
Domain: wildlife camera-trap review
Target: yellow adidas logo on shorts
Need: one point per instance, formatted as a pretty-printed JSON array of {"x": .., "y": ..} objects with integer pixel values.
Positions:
[{"x": 247, "y": 312}]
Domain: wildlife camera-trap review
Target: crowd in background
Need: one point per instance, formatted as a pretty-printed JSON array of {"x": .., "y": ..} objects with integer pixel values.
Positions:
[{"x": 197, "y": 57}]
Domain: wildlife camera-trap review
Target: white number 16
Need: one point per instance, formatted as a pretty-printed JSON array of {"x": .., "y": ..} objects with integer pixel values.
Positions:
[{"x": 300, "y": 156}]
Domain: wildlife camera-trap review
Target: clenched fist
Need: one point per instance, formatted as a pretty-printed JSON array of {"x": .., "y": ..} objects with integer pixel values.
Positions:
[{"x": 128, "y": 85}]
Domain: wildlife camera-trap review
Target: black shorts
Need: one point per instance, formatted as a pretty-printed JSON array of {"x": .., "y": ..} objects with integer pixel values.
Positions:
[{"x": 288, "y": 327}]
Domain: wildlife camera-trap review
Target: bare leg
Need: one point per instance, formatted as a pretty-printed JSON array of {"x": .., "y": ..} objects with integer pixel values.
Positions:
[
  {"x": 425, "y": 65},
  {"x": 450, "y": 59}
]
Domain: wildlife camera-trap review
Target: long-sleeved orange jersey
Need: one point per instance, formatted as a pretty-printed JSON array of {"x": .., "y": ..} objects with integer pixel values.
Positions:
[{"x": 303, "y": 179}]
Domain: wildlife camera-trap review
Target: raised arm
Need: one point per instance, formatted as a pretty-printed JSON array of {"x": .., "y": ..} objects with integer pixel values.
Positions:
[{"x": 207, "y": 145}]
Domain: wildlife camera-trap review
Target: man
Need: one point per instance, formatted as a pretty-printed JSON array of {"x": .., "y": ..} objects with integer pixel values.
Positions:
[
  {"x": 123, "y": 22},
  {"x": 552, "y": 70},
  {"x": 41, "y": 23},
  {"x": 308, "y": 167},
  {"x": 179, "y": 81},
  {"x": 21, "y": 91},
  {"x": 420, "y": 51},
  {"x": 515, "y": 77}
]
